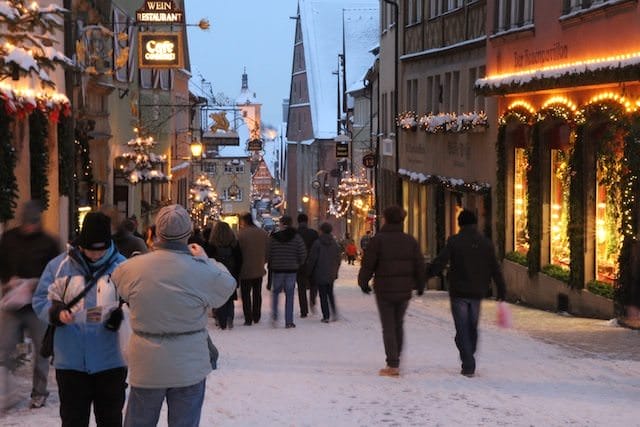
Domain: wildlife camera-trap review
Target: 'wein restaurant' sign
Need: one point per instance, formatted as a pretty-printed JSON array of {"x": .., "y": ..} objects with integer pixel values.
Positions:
[{"x": 159, "y": 12}]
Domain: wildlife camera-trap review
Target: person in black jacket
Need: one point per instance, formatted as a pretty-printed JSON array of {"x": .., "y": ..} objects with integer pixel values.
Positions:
[
  {"x": 305, "y": 282},
  {"x": 223, "y": 247},
  {"x": 472, "y": 264},
  {"x": 395, "y": 261},
  {"x": 287, "y": 254},
  {"x": 323, "y": 264}
]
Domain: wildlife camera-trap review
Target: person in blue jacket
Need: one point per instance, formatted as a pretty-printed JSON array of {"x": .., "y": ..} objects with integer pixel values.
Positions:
[{"x": 90, "y": 367}]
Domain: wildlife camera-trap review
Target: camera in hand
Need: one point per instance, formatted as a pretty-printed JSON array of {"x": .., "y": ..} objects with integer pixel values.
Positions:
[{"x": 115, "y": 320}]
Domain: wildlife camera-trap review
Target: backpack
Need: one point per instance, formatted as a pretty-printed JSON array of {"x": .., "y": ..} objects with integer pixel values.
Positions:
[{"x": 351, "y": 249}]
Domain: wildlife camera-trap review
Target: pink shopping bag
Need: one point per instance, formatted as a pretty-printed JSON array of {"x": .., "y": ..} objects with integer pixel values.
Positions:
[{"x": 505, "y": 318}]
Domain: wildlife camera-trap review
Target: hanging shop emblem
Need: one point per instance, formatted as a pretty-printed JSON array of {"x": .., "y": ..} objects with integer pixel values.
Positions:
[
  {"x": 159, "y": 12},
  {"x": 160, "y": 50},
  {"x": 369, "y": 161},
  {"x": 255, "y": 145}
]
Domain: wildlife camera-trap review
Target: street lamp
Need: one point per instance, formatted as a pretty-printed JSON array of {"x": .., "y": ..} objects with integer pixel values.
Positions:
[{"x": 196, "y": 149}]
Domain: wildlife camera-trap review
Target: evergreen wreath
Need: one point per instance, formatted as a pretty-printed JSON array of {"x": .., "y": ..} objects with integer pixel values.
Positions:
[
  {"x": 39, "y": 157},
  {"x": 8, "y": 160}
]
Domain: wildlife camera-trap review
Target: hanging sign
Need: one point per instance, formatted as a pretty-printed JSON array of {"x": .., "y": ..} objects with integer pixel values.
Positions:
[
  {"x": 342, "y": 150},
  {"x": 255, "y": 145},
  {"x": 159, "y": 12},
  {"x": 369, "y": 161},
  {"x": 160, "y": 50}
]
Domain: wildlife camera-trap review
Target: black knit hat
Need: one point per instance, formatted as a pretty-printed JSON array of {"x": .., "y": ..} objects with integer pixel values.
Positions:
[
  {"x": 467, "y": 217},
  {"x": 96, "y": 232}
]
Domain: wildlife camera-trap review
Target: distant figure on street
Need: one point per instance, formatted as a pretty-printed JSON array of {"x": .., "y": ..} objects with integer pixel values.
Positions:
[
  {"x": 24, "y": 253},
  {"x": 394, "y": 260},
  {"x": 170, "y": 291},
  {"x": 364, "y": 241},
  {"x": 350, "y": 250},
  {"x": 223, "y": 247},
  {"x": 90, "y": 367},
  {"x": 134, "y": 220},
  {"x": 150, "y": 237},
  {"x": 287, "y": 253},
  {"x": 323, "y": 264},
  {"x": 472, "y": 264},
  {"x": 305, "y": 282},
  {"x": 254, "y": 244}
]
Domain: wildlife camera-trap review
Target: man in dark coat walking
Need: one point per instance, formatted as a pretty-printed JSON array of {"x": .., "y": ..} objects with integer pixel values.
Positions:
[
  {"x": 394, "y": 259},
  {"x": 472, "y": 264},
  {"x": 323, "y": 263},
  {"x": 305, "y": 282}
]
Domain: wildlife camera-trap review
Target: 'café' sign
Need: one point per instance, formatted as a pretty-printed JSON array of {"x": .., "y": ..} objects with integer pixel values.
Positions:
[
  {"x": 159, "y": 12},
  {"x": 160, "y": 50}
]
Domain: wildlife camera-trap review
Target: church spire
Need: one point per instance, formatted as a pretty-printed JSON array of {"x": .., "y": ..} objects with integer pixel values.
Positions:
[{"x": 245, "y": 79}]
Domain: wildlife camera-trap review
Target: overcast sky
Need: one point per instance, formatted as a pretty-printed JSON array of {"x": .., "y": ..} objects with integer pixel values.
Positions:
[{"x": 257, "y": 34}]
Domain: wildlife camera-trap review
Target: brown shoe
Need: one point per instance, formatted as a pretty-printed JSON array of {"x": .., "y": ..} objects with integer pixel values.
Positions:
[{"x": 389, "y": 372}]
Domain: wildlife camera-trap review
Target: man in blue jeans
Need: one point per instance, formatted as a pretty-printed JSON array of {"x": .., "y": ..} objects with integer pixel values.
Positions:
[
  {"x": 170, "y": 291},
  {"x": 287, "y": 253},
  {"x": 472, "y": 264}
]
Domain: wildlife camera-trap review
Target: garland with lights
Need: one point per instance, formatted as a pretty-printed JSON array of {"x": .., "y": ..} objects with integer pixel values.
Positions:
[
  {"x": 627, "y": 291},
  {"x": 407, "y": 120},
  {"x": 452, "y": 122},
  {"x": 83, "y": 153},
  {"x": 8, "y": 160},
  {"x": 567, "y": 79},
  {"x": 534, "y": 205},
  {"x": 521, "y": 116},
  {"x": 39, "y": 157},
  {"x": 65, "y": 156},
  {"x": 350, "y": 190}
]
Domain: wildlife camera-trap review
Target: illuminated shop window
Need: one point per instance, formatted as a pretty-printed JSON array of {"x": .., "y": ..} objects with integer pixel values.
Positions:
[
  {"x": 607, "y": 235},
  {"x": 521, "y": 237},
  {"x": 559, "y": 214}
]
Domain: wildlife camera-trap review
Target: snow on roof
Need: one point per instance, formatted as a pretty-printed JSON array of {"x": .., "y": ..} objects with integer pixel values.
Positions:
[
  {"x": 321, "y": 23},
  {"x": 362, "y": 30}
]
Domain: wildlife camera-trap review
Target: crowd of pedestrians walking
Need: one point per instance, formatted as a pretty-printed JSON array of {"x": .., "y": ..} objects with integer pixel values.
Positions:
[{"x": 120, "y": 308}]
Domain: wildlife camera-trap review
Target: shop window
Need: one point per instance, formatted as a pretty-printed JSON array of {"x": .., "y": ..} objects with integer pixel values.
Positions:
[
  {"x": 455, "y": 209},
  {"x": 559, "y": 204},
  {"x": 521, "y": 237}
]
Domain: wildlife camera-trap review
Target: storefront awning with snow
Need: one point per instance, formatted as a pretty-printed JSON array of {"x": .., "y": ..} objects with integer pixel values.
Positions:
[{"x": 613, "y": 69}]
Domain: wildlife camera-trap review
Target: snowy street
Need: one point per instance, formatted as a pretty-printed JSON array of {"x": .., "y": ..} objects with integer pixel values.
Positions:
[{"x": 537, "y": 374}]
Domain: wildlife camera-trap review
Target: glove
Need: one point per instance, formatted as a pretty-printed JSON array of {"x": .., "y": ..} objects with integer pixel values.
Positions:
[
  {"x": 366, "y": 289},
  {"x": 419, "y": 292},
  {"x": 54, "y": 312}
]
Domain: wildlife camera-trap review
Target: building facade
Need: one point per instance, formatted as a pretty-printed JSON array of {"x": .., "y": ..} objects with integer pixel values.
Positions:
[{"x": 564, "y": 75}]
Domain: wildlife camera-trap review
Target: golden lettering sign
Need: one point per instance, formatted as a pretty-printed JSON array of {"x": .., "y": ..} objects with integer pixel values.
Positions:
[
  {"x": 160, "y": 50},
  {"x": 159, "y": 12}
]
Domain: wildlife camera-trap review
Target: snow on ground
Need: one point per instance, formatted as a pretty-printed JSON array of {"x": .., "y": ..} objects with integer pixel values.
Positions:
[{"x": 538, "y": 374}]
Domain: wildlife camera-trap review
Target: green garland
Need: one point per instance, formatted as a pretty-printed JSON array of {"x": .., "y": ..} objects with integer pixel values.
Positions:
[
  {"x": 627, "y": 290},
  {"x": 8, "y": 160},
  {"x": 39, "y": 157},
  {"x": 522, "y": 116},
  {"x": 569, "y": 79},
  {"x": 534, "y": 208}
]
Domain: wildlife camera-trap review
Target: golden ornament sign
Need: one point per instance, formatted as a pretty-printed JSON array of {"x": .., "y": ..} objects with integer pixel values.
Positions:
[{"x": 160, "y": 50}]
